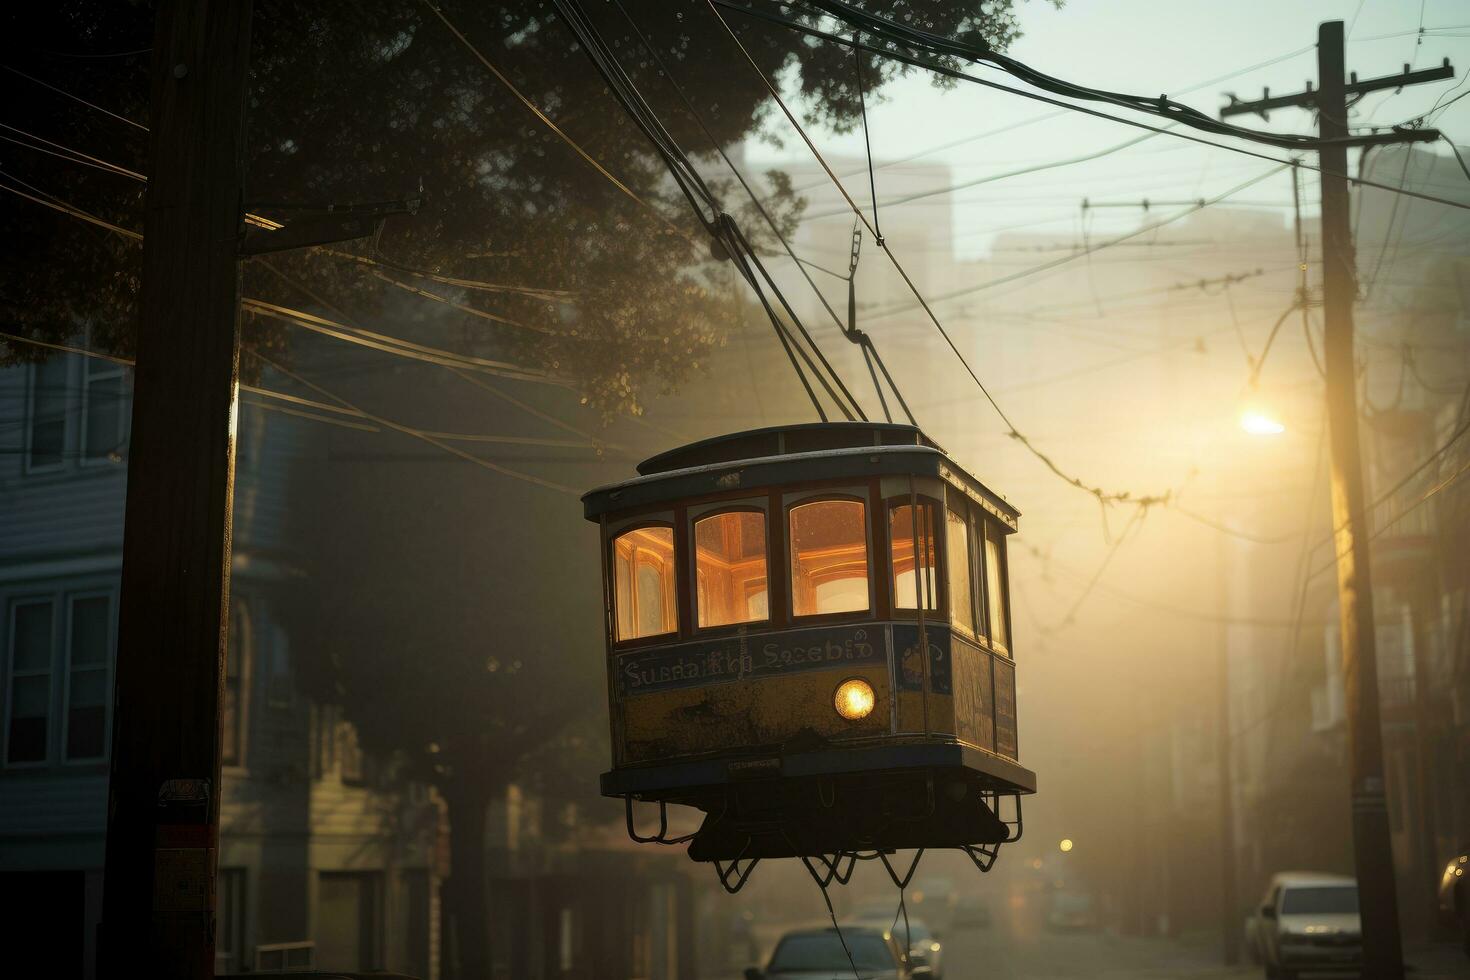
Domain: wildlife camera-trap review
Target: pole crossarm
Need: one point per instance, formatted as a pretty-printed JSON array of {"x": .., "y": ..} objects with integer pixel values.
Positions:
[
  {"x": 332, "y": 226},
  {"x": 1308, "y": 98}
]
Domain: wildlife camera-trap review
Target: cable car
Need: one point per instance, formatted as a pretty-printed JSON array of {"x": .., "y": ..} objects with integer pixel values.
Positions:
[{"x": 808, "y": 639}]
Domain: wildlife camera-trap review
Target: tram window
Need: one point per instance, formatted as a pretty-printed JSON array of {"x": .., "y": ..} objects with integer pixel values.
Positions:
[
  {"x": 644, "y": 571},
  {"x": 995, "y": 582},
  {"x": 730, "y": 566},
  {"x": 961, "y": 593},
  {"x": 829, "y": 557},
  {"x": 901, "y": 534}
]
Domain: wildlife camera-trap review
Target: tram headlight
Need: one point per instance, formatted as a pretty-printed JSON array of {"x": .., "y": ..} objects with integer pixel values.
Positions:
[{"x": 854, "y": 699}]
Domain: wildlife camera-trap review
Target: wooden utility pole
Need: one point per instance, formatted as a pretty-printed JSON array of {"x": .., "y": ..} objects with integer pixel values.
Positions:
[
  {"x": 158, "y": 902},
  {"x": 1372, "y": 852}
]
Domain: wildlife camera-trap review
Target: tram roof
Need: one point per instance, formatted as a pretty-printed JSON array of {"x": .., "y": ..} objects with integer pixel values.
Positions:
[{"x": 786, "y": 454}]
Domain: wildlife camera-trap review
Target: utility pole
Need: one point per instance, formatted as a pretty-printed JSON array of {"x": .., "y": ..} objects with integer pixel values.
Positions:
[
  {"x": 1378, "y": 900},
  {"x": 158, "y": 903}
]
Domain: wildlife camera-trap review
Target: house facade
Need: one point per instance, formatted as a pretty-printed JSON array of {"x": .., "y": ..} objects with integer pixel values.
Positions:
[{"x": 326, "y": 857}]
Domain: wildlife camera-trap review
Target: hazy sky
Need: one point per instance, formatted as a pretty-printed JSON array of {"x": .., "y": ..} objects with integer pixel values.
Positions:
[{"x": 1149, "y": 47}]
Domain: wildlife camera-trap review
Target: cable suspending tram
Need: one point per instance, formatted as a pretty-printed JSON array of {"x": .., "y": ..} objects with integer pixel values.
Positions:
[{"x": 809, "y": 640}]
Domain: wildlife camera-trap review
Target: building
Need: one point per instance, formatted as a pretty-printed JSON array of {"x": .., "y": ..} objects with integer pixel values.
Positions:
[{"x": 326, "y": 858}]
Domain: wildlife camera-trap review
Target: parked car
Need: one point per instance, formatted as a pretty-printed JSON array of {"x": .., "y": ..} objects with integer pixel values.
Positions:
[
  {"x": 819, "y": 954},
  {"x": 1307, "y": 921},
  {"x": 970, "y": 912},
  {"x": 1071, "y": 910},
  {"x": 925, "y": 948},
  {"x": 1454, "y": 895}
]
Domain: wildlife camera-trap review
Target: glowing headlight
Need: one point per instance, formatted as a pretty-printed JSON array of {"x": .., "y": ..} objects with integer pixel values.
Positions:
[{"x": 854, "y": 699}]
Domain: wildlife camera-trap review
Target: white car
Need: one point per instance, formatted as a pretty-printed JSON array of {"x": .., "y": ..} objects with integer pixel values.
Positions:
[{"x": 1307, "y": 922}]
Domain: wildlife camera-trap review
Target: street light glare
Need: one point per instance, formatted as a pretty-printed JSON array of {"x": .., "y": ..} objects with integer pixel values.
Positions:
[
  {"x": 1065, "y": 845},
  {"x": 1259, "y": 424}
]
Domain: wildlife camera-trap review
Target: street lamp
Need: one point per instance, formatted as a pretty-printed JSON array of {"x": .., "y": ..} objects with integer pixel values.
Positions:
[
  {"x": 1065, "y": 845},
  {"x": 1258, "y": 423}
]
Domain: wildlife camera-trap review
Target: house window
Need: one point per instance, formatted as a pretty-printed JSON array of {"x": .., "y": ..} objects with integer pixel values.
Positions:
[
  {"x": 46, "y": 416},
  {"x": 829, "y": 557},
  {"x": 995, "y": 583},
  {"x": 961, "y": 588},
  {"x": 232, "y": 711},
  {"x": 104, "y": 410},
  {"x": 905, "y": 541},
  {"x": 730, "y": 567},
  {"x": 644, "y": 572},
  {"x": 88, "y": 687},
  {"x": 29, "y": 690}
]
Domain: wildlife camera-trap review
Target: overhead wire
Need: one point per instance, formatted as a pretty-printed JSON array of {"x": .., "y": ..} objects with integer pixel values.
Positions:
[
  {"x": 868, "y": 348},
  {"x": 719, "y": 224},
  {"x": 1085, "y": 110},
  {"x": 316, "y": 406},
  {"x": 1059, "y": 113},
  {"x": 72, "y": 210},
  {"x": 979, "y": 52},
  {"x": 1103, "y": 496},
  {"x": 1088, "y": 250},
  {"x": 75, "y": 98}
]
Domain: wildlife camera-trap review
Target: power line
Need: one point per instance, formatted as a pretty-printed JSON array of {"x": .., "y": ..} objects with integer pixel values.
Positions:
[
  {"x": 74, "y": 212},
  {"x": 865, "y": 343},
  {"x": 393, "y": 345},
  {"x": 1085, "y": 110},
  {"x": 75, "y": 98},
  {"x": 546, "y": 120},
  {"x": 989, "y": 178},
  {"x": 315, "y": 406},
  {"x": 718, "y": 224},
  {"x": 1055, "y": 115},
  {"x": 1014, "y": 433},
  {"x": 1089, "y": 250},
  {"x": 416, "y": 433}
]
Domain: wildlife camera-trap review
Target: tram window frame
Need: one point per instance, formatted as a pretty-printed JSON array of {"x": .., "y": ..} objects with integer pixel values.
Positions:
[
  {"x": 994, "y": 533},
  {"x": 975, "y": 628},
  {"x": 693, "y": 519},
  {"x": 616, "y": 534},
  {"x": 940, "y": 606},
  {"x": 846, "y": 494}
]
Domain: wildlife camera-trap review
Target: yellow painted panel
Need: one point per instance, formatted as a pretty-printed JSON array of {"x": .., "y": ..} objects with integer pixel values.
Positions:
[{"x": 762, "y": 712}]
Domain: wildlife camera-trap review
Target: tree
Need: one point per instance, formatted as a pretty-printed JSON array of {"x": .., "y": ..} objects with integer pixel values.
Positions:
[{"x": 454, "y": 630}]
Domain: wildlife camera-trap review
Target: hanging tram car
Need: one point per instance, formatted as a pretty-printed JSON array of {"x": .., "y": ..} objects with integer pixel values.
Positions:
[{"x": 809, "y": 640}]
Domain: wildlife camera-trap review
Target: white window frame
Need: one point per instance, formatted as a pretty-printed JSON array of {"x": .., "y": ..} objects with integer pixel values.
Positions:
[
  {"x": 32, "y": 380},
  {"x": 107, "y": 371},
  {"x": 108, "y": 660},
  {"x": 12, "y": 604}
]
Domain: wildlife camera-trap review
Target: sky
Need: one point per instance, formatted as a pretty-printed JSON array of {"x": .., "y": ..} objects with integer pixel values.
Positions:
[{"x": 1146, "y": 47}]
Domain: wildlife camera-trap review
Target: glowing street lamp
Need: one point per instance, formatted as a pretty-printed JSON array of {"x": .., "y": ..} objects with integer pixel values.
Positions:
[
  {"x": 1065, "y": 845},
  {"x": 1258, "y": 423}
]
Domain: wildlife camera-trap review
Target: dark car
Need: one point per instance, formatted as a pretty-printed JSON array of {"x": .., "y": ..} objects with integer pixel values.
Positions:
[{"x": 819, "y": 954}]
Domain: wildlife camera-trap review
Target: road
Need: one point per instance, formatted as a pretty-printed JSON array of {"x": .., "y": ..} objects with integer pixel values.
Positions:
[{"x": 995, "y": 954}]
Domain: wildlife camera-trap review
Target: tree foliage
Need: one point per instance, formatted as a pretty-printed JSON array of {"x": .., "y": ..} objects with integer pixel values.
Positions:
[{"x": 373, "y": 100}]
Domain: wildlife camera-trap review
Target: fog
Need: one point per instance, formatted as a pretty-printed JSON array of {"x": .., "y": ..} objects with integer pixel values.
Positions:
[{"x": 422, "y": 650}]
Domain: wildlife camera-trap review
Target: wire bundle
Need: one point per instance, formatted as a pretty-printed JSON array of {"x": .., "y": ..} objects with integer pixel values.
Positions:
[{"x": 729, "y": 242}]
